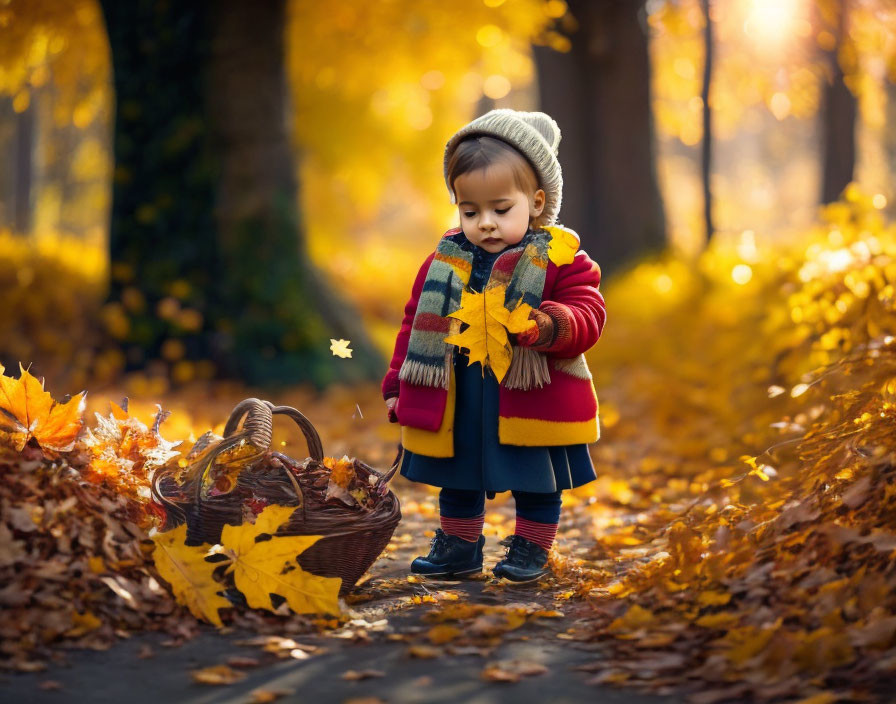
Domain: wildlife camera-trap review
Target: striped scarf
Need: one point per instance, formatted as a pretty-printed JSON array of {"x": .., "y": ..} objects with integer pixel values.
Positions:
[{"x": 521, "y": 268}]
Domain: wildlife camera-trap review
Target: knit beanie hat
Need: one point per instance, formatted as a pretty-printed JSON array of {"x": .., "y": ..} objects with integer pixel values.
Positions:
[{"x": 535, "y": 134}]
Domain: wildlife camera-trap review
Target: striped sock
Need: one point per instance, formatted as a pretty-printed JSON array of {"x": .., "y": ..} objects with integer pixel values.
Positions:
[
  {"x": 539, "y": 533},
  {"x": 467, "y": 528}
]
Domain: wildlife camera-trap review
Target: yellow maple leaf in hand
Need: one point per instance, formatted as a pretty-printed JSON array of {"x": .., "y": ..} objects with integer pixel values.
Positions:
[
  {"x": 258, "y": 568},
  {"x": 184, "y": 567},
  {"x": 27, "y": 411},
  {"x": 489, "y": 322}
]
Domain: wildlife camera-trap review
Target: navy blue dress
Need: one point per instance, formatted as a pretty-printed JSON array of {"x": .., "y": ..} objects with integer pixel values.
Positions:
[{"x": 480, "y": 461}]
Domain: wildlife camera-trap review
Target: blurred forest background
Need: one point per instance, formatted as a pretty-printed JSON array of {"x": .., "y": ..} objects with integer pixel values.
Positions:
[
  {"x": 196, "y": 196},
  {"x": 214, "y": 190}
]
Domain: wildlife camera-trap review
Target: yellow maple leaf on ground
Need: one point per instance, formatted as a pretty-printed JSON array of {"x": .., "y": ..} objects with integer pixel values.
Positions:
[
  {"x": 258, "y": 568},
  {"x": 27, "y": 410},
  {"x": 190, "y": 576},
  {"x": 489, "y": 322}
]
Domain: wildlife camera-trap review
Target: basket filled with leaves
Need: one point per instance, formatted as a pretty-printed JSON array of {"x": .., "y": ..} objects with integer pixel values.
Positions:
[{"x": 225, "y": 484}]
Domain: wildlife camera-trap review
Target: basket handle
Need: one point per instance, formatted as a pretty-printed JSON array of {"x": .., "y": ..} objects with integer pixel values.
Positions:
[
  {"x": 159, "y": 497},
  {"x": 258, "y": 429},
  {"x": 383, "y": 478},
  {"x": 259, "y": 425},
  {"x": 312, "y": 438}
]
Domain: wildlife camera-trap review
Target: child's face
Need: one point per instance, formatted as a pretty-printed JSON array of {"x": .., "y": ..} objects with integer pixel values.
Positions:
[{"x": 494, "y": 212}]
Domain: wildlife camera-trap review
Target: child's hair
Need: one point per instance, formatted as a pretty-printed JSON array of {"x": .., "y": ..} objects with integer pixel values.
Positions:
[{"x": 482, "y": 151}]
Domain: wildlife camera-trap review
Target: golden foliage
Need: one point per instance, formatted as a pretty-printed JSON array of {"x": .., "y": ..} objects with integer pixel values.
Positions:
[
  {"x": 42, "y": 44},
  {"x": 489, "y": 322},
  {"x": 44, "y": 321},
  {"x": 371, "y": 115},
  {"x": 761, "y": 554}
]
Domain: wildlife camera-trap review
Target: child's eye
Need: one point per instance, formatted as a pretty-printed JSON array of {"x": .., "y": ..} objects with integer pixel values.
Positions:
[
  {"x": 469, "y": 214},
  {"x": 501, "y": 212}
]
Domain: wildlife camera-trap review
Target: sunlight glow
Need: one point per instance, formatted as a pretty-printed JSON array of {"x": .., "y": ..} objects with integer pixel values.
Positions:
[
  {"x": 771, "y": 21},
  {"x": 741, "y": 274}
]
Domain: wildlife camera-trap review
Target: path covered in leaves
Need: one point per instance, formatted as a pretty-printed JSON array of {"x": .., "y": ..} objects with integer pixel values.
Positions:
[
  {"x": 401, "y": 639},
  {"x": 737, "y": 546}
]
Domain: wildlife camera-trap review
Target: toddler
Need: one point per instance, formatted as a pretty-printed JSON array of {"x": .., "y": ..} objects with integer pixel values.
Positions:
[{"x": 519, "y": 417}]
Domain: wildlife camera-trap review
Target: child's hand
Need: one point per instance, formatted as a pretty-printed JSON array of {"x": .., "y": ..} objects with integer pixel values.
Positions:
[
  {"x": 541, "y": 332},
  {"x": 390, "y": 409}
]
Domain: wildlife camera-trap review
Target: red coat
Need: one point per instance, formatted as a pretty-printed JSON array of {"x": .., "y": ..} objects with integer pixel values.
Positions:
[{"x": 563, "y": 412}]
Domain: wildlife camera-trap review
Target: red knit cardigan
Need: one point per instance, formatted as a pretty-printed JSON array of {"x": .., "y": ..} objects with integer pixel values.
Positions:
[{"x": 562, "y": 412}]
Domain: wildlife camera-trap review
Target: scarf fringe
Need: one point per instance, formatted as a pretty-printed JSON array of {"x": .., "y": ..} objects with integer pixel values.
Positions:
[
  {"x": 528, "y": 369},
  {"x": 420, "y": 374}
]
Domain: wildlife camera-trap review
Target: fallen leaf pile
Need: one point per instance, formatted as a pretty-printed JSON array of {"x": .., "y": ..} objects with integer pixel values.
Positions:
[
  {"x": 738, "y": 543},
  {"x": 743, "y": 527},
  {"x": 73, "y": 561},
  {"x": 76, "y": 559}
]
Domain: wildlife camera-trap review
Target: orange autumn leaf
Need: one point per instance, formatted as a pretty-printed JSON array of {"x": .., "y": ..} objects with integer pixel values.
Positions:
[
  {"x": 123, "y": 449},
  {"x": 28, "y": 411},
  {"x": 341, "y": 471}
]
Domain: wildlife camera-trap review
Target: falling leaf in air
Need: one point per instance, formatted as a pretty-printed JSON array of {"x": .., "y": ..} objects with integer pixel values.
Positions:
[
  {"x": 27, "y": 411},
  {"x": 340, "y": 348},
  {"x": 489, "y": 322}
]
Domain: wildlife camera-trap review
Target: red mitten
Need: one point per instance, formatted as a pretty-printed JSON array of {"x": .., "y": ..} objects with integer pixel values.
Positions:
[
  {"x": 541, "y": 333},
  {"x": 390, "y": 409}
]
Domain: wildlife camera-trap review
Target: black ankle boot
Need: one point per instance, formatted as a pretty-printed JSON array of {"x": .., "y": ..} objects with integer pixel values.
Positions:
[
  {"x": 450, "y": 556},
  {"x": 525, "y": 561}
]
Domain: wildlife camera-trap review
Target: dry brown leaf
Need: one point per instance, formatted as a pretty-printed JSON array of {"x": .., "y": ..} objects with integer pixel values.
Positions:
[
  {"x": 357, "y": 675},
  {"x": 217, "y": 675},
  {"x": 265, "y": 696},
  {"x": 512, "y": 670},
  {"x": 424, "y": 651}
]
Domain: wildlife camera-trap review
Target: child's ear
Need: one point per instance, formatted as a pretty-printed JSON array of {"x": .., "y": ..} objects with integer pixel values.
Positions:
[{"x": 538, "y": 203}]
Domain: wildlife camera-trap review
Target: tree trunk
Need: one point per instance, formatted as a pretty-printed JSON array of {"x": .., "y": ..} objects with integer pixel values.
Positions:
[
  {"x": 599, "y": 95},
  {"x": 204, "y": 211},
  {"x": 890, "y": 149},
  {"x": 24, "y": 169},
  {"x": 838, "y": 122},
  {"x": 706, "y": 152}
]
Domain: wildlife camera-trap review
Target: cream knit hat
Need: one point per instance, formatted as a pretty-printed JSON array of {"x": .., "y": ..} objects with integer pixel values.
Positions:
[{"x": 535, "y": 134}]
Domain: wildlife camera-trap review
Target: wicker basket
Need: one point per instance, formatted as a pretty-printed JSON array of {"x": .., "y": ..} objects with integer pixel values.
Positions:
[{"x": 354, "y": 536}]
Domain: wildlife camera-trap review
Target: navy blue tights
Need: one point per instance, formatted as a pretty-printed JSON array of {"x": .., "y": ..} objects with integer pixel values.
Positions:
[{"x": 464, "y": 503}]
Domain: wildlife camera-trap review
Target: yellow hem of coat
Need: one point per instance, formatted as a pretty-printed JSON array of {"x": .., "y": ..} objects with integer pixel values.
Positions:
[
  {"x": 511, "y": 431},
  {"x": 434, "y": 443},
  {"x": 535, "y": 432}
]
